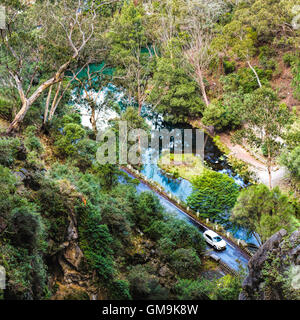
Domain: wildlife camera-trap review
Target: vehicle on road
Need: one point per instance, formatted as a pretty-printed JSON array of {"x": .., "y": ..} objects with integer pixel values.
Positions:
[{"x": 214, "y": 240}]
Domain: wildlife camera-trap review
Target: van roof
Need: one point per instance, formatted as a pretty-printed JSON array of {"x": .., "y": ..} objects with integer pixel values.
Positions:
[{"x": 211, "y": 233}]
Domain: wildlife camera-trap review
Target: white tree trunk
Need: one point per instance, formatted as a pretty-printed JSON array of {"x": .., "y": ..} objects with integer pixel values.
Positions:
[
  {"x": 27, "y": 103},
  {"x": 256, "y": 75},
  {"x": 47, "y": 105}
]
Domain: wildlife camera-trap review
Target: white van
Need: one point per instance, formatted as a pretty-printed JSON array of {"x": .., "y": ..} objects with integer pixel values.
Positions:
[{"x": 214, "y": 240}]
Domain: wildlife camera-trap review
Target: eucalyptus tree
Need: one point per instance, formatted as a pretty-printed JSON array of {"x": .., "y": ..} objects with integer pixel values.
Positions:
[
  {"x": 266, "y": 121},
  {"x": 173, "y": 92},
  {"x": 90, "y": 91},
  {"x": 164, "y": 22},
  {"x": 198, "y": 26},
  {"x": 130, "y": 53},
  {"x": 41, "y": 42},
  {"x": 264, "y": 212},
  {"x": 290, "y": 155},
  {"x": 268, "y": 18},
  {"x": 237, "y": 41}
]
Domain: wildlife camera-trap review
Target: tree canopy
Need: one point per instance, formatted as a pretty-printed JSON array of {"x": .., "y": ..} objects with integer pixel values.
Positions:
[{"x": 265, "y": 211}]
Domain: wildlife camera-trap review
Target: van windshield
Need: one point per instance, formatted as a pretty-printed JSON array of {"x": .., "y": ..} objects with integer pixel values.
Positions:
[{"x": 217, "y": 239}]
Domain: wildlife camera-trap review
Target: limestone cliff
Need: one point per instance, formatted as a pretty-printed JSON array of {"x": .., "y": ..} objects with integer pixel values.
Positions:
[{"x": 274, "y": 271}]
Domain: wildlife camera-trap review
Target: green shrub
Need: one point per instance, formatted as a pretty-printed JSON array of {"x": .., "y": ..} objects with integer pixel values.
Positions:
[
  {"x": 181, "y": 100},
  {"x": 292, "y": 136},
  {"x": 225, "y": 288},
  {"x": 185, "y": 262},
  {"x": 289, "y": 59},
  {"x": 244, "y": 80},
  {"x": 9, "y": 148},
  {"x": 156, "y": 230},
  {"x": 33, "y": 161},
  {"x": 265, "y": 57},
  {"x": 228, "y": 287},
  {"x": 224, "y": 114},
  {"x": 107, "y": 174},
  {"x": 17, "y": 263},
  {"x": 26, "y": 274},
  {"x": 291, "y": 159},
  {"x": 8, "y": 199},
  {"x": 27, "y": 226},
  {"x": 229, "y": 66},
  {"x": 72, "y": 118},
  {"x": 148, "y": 210},
  {"x": 120, "y": 290},
  {"x": 214, "y": 115},
  {"x": 6, "y": 107},
  {"x": 66, "y": 145},
  {"x": 178, "y": 234},
  {"x": 144, "y": 286},
  {"x": 55, "y": 208},
  {"x": 213, "y": 195},
  {"x": 31, "y": 142},
  {"x": 96, "y": 242},
  {"x": 86, "y": 154},
  {"x": 193, "y": 289},
  {"x": 22, "y": 242},
  {"x": 40, "y": 277},
  {"x": 263, "y": 211}
]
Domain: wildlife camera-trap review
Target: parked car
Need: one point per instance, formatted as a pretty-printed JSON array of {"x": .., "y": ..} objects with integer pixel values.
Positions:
[{"x": 214, "y": 240}]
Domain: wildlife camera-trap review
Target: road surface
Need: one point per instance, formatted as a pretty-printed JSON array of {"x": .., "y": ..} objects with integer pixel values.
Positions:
[{"x": 232, "y": 256}]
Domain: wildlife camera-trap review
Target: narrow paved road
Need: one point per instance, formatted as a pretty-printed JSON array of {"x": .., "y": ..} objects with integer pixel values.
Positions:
[{"x": 232, "y": 256}]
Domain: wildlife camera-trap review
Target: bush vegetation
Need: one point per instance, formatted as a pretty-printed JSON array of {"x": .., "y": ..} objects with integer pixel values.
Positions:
[
  {"x": 214, "y": 194},
  {"x": 54, "y": 194}
]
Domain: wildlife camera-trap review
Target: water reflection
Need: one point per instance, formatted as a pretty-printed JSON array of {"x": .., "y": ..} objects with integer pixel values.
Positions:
[{"x": 182, "y": 188}]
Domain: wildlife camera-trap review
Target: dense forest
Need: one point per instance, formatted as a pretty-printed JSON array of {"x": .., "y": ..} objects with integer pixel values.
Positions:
[{"x": 72, "y": 228}]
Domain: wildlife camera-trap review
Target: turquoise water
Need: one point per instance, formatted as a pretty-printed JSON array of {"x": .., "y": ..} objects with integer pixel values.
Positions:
[{"x": 180, "y": 188}]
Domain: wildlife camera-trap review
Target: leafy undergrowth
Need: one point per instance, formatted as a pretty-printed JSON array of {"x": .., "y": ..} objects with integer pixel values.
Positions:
[{"x": 54, "y": 208}]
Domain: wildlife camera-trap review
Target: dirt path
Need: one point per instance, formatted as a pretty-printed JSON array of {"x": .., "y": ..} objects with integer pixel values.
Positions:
[
  {"x": 256, "y": 164},
  {"x": 241, "y": 153}
]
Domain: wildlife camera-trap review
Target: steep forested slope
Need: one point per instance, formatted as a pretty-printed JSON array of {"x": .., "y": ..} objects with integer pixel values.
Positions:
[{"x": 69, "y": 228}]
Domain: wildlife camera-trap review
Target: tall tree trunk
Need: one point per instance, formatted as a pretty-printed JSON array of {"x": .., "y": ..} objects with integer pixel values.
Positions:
[
  {"x": 140, "y": 107},
  {"x": 93, "y": 121},
  {"x": 202, "y": 85},
  {"x": 270, "y": 169},
  {"x": 54, "y": 103},
  {"x": 257, "y": 238},
  {"x": 47, "y": 105},
  {"x": 19, "y": 117},
  {"x": 139, "y": 137},
  {"x": 205, "y": 140},
  {"x": 139, "y": 93},
  {"x": 27, "y": 102},
  {"x": 270, "y": 177}
]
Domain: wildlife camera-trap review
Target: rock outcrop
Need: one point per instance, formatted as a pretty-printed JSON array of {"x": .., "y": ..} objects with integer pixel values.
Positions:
[
  {"x": 73, "y": 282},
  {"x": 274, "y": 268}
]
